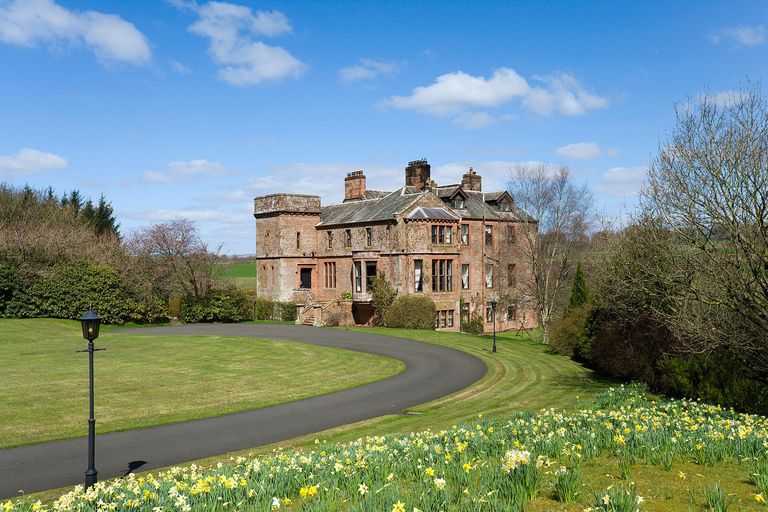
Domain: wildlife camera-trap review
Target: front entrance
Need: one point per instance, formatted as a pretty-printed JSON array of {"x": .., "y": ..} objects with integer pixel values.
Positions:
[{"x": 305, "y": 278}]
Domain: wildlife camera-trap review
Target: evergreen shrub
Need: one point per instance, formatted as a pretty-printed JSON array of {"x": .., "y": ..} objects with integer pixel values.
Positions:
[{"x": 411, "y": 312}]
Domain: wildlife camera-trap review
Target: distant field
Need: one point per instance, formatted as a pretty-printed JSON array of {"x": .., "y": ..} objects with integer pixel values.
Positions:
[
  {"x": 242, "y": 275},
  {"x": 237, "y": 270}
]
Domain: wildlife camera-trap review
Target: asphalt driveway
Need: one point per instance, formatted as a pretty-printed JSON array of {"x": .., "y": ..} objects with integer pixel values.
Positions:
[{"x": 431, "y": 372}]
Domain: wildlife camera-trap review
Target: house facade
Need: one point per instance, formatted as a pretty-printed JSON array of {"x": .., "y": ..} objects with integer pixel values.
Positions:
[{"x": 455, "y": 243}]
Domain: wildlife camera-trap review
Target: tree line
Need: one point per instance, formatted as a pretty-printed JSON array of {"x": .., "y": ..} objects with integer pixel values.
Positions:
[{"x": 679, "y": 295}]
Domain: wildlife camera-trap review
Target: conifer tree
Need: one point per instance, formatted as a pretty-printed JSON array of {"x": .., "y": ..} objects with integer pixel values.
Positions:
[{"x": 580, "y": 292}]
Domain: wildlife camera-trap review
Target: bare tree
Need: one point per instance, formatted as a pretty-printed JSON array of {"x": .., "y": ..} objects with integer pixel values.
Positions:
[
  {"x": 560, "y": 214},
  {"x": 177, "y": 255},
  {"x": 708, "y": 189}
]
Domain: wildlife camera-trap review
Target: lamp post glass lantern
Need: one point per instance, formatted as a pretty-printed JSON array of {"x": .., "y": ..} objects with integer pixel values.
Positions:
[
  {"x": 91, "y": 323},
  {"x": 493, "y": 313}
]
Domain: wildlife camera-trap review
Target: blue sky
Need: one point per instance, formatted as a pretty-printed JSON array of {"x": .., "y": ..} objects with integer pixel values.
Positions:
[{"x": 184, "y": 108}]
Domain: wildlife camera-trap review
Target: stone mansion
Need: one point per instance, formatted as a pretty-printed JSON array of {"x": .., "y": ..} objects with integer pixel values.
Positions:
[{"x": 461, "y": 246}]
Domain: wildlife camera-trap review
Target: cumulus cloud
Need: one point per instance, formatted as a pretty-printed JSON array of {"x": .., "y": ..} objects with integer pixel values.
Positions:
[
  {"x": 562, "y": 94},
  {"x": 233, "y": 31},
  {"x": 186, "y": 172},
  {"x": 26, "y": 162},
  {"x": 43, "y": 22},
  {"x": 740, "y": 35},
  {"x": 454, "y": 95},
  {"x": 622, "y": 181},
  {"x": 368, "y": 69},
  {"x": 580, "y": 151},
  {"x": 454, "y": 92}
]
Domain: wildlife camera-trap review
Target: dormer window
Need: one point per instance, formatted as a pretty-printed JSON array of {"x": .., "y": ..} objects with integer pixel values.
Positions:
[{"x": 457, "y": 203}]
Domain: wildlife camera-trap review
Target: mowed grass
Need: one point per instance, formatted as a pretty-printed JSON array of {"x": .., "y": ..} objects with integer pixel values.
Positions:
[
  {"x": 521, "y": 375},
  {"x": 150, "y": 380},
  {"x": 241, "y": 274}
]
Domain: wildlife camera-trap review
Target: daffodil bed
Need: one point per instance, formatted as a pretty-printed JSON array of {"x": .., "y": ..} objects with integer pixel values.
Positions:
[{"x": 627, "y": 452}]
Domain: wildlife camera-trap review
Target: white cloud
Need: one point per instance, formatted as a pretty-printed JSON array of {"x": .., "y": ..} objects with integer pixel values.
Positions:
[
  {"x": 180, "y": 68},
  {"x": 454, "y": 92},
  {"x": 32, "y": 22},
  {"x": 622, "y": 181},
  {"x": 580, "y": 151},
  {"x": 245, "y": 61},
  {"x": 563, "y": 95},
  {"x": 455, "y": 95},
  {"x": 30, "y": 161},
  {"x": 368, "y": 69},
  {"x": 186, "y": 172},
  {"x": 741, "y": 35}
]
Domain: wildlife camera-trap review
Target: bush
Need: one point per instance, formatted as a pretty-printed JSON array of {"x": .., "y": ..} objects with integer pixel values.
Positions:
[
  {"x": 263, "y": 309},
  {"x": 67, "y": 291},
  {"x": 474, "y": 325},
  {"x": 718, "y": 378},
  {"x": 382, "y": 297},
  {"x": 224, "y": 305},
  {"x": 411, "y": 312},
  {"x": 570, "y": 335},
  {"x": 268, "y": 309},
  {"x": 287, "y": 311}
]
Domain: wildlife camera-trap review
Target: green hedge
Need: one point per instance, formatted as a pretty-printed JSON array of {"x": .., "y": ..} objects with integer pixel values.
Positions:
[
  {"x": 268, "y": 309},
  {"x": 411, "y": 312},
  {"x": 67, "y": 291},
  {"x": 224, "y": 305}
]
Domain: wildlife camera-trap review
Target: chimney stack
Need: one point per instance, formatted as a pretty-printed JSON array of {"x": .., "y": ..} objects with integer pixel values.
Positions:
[
  {"x": 354, "y": 186},
  {"x": 417, "y": 174},
  {"x": 471, "y": 181}
]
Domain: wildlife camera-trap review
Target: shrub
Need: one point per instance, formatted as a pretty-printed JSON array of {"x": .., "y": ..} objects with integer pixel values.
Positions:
[
  {"x": 263, "y": 309},
  {"x": 411, "y": 312},
  {"x": 570, "y": 336},
  {"x": 287, "y": 311},
  {"x": 224, "y": 305},
  {"x": 382, "y": 297},
  {"x": 474, "y": 325},
  {"x": 346, "y": 295},
  {"x": 67, "y": 291}
]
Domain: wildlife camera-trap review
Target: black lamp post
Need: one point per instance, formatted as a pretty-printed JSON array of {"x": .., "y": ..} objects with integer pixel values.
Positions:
[
  {"x": 493, "y": 312},
  {"x": 91, "y": 322}
]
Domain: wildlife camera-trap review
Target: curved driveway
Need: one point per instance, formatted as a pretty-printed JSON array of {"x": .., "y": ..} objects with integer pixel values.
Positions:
[{"x": 431, "y": 372}]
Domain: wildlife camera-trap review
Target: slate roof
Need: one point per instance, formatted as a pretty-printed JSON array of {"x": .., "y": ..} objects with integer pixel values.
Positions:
[
  {"x": 424, "y": 213},
  {"x": 380, "y": 206},
  {"x": 369, "y": 210}
]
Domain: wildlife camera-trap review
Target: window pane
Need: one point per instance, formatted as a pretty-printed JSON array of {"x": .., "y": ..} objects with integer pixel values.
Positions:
[
  {"x": 434, "y": 275},
  {"x": 488, "y": 312},
  {"x": 370, "y": 273},
  {"x": 434, "y": 234},
  {"x": 448, "y": 234},
  {"x": 489, "y": 276},
  {"x": 449, "y": 275},
  {"x": 358, "y": 277},
  {"x": 488, "y": 234},
  {"x": 465, "y": 276},
  {"x": 450, "y": 318},
  {"x": 417, "y": 275},
  {"x": 511, "y": 277}
]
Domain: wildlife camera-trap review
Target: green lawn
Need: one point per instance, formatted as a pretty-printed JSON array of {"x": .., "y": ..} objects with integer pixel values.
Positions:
[
  {"x": 242, "y": 275},
  {"x": 149, "y": 380},
  {"x": 522, "y": 375}
]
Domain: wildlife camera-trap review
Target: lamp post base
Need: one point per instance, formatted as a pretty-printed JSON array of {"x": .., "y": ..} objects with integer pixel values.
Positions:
[{"x": 91, "y": 478}]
